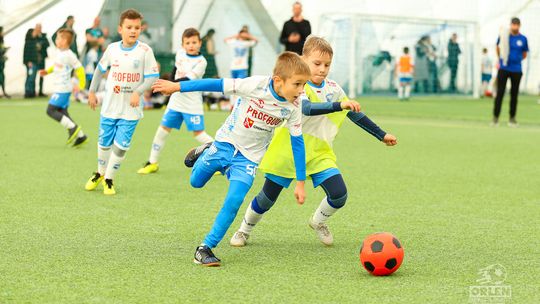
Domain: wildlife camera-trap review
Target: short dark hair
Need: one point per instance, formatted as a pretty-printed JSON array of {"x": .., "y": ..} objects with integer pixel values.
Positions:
[
  {"x": 406, "y": 50},
  {"x": 69, "y": 17},
  {"x": 131, "y": 14},
  {"x": 515, "y": 20},
  {"x": 190, "y": 32},
  {"x": 484, "y": 50}
]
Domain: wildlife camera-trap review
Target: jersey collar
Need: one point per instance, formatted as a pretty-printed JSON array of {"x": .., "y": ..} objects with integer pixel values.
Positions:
[
  {"x": 317, "y": 86},
  {"x": 128, "y": 49},
  {"x": 276, "y": 96}
]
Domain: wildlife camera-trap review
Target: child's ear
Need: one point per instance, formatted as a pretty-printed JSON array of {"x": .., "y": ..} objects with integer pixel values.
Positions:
[{"x": 119, "y": 29}]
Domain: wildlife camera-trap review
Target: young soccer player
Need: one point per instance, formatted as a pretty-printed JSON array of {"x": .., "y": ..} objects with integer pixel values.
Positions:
[
  {"x": 133, "y": 69},
  {"x": 240, "y": 45},
  {"x": 64, "y": 63},
  {"x": 404, "y": 73},
  {"x": 319, "y": 133},
  {"x": 487, "y": 71},
  {"x": 186, "y": 107},
  {"x": 264, "y": 104}
]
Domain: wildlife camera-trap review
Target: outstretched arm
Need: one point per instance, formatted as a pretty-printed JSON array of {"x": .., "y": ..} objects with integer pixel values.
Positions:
[
  {"x": 203, "y": 85},
  {"x": 319, "y": 108}
]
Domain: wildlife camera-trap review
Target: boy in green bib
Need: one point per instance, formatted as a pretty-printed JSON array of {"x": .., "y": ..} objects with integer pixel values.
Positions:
[{"x": 320, "y": 126}]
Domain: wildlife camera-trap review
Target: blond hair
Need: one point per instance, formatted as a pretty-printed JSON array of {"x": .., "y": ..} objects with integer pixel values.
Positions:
[
  {"x": 317, "y": 44},
  {"x": 67, "y": 34},
  {"x": 289, "y": 64}
]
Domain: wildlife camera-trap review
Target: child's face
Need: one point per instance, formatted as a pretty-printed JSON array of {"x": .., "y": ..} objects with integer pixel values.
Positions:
[
  {"x": 192, "y": 45},
  {"x": 61, "y": 42},
  {"x": 130, "y": 30},
  {"x": 243, "y": 36},
  {"x": 319, "y": 65},
  {"x": 290, "y": 88}
]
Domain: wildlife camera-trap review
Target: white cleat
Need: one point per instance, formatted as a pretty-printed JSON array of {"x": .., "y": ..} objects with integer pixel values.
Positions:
[
  {"x": 324, "y": 235},
  {"x": 239, "y": 239}
]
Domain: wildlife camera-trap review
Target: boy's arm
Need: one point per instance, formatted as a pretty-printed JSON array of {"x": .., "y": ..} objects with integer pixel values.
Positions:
[
  {"x": 361, "y": 120},
  {"x": 79, "y": 72},
  {"x": 94, "y": 85},
  {"x": 299, "y": 153},
  {"x": 320, "y": 108}
]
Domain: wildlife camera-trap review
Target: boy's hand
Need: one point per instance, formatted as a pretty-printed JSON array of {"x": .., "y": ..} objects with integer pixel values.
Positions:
[
  {"x": 299, "y": 192},
  {"x": 42, "y": 72},
  {"x": 92, "y": 100},
  {"x": 135, "y": 99},
  {"x": 165, "y": 87},
  {"x": 390, "y": 140},
  {"x": 351, "y": 105}
]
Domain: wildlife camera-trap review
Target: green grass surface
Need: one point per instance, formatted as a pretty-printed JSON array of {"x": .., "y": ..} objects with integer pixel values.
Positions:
[{"x": 459, "y": 194}]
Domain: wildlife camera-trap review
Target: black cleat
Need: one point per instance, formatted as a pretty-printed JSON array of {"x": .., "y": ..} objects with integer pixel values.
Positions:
[
  {"x": 194, "y": 154},
  {"x": 204, "y": 256},
  {"x": 72, "y": 134},
  {"x": 80, "y": 140}
]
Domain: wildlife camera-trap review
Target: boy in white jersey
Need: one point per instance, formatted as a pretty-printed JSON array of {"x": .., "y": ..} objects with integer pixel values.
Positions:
[
  {"x": 487, "y": 71},
  {"x": 133, "y": 69},
  {"x": 187, "y": 107},
  {"x": 265, "y": 103},
  {"x": 64, "y": 63},
  {"x": 240, "y": 45},
  {"x": 319, "y": 133}
]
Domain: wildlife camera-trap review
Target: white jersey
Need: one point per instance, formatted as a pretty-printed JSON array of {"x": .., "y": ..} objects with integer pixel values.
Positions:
[
  {"x": 192, "y": 67},
  {"x": 129, "y": 68},
  {"x": 64, "y": 63},
  {"x": 240, "y": 50},
  {"x": 256, "y": 114},
  {"x": 487, "y": 65}
]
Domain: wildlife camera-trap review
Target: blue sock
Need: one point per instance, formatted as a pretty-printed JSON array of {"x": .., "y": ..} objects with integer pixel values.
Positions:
[{"x": 235, "y": 196}]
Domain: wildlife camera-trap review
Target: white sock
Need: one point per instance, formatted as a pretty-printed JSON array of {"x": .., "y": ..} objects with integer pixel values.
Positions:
[
  {"x": 204, "y": 138},
  {"x": 400, "y": 92},
  {"x": 103, "y": 155},
  {"x": 67, "y": 123},
  {"x": 407, "y": 91},
  {"x": 251, "y": 218},
  {"x": 80, "y": 134},
  {"x": 158, "y": 144},
  {"x": 323, "y": 212},
  {"x": 114, "y": 165}
]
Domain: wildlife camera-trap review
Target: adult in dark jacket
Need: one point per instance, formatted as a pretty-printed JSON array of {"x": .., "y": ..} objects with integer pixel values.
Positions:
[
  {"x": 69, "y": 25},
  {"x": 295, "y": 31},
  {"x": 35, "y": 52},
  {"x": 453, "y": 61}
]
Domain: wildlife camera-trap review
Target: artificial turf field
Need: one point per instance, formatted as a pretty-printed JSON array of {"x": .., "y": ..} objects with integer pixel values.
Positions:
[{"x": 459, "y": 194}]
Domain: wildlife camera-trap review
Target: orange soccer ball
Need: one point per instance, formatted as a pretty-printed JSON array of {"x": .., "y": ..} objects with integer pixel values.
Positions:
[{"x": 381, "y": 253}]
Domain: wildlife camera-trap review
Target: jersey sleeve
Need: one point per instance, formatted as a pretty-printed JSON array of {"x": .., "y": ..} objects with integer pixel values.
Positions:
[
  {"x": 342, "y": 95},
  {"x": 74, "y": 62},
  {"x": 525, "y": 45},
  {"x": 295, "y": 122},
  {"x": 244, "y": 86},
  {"x": 105, "y": 60},
  {"x": 198, "y": 70},
  {"x": 151, "y": 68}
]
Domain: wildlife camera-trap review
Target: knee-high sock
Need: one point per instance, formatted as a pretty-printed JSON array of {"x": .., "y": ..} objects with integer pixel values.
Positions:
[
  {"x": 117, "y": 156},
  {"x": 204, "y": 138},
  {"x": 235, "y": 196},
  {"x": 408, "y": 91},
  {"x": 324, "y": 211},
  {"x": 251, "y": 218},
  {"x": 104, "y": 153},
  {"x": 400, "y": 92},
  {"x": 158, "y": 144}
]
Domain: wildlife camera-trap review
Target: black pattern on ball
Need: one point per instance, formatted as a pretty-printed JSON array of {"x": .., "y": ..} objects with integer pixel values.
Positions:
[
  {"x": 369, "y": 266},
  {"x": 376, "y": 246},
  {"x": 391, "y": 263},
  {"x": 396, "y": 242}
]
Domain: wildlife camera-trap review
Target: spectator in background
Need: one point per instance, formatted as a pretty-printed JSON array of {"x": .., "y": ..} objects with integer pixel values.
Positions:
[
  {"x": 208, "y": 50},
  {"x": 421, "y": 71},
  {"x": 512, "y": 48},
  {"x": 94, "y": 37},
  {"x": 240, "y": 44},
  {"x": 432, "y": 65},
  {"x": 107, "y": 39},
  {"x": 145, "y": 36},
  {"x": 3, "y": 58},
  {"x": 295, "y": 31},
  {"x": 69, "y": 25},
  {"x": 35, "y": 52},
  {"x": 453, "y": 61},
  {"x": 487, "y": 71}
]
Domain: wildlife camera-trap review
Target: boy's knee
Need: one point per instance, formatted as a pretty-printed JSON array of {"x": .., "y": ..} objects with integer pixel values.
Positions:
[
  {"x": 338, "y": 202},
  {"x": 261, "y": 203},
  {"x": 196, "y": 182}
]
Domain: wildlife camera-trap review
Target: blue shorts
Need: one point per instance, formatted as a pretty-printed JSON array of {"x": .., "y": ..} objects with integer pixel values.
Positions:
[
  {"x": 225, "y": 158},
  {"x": 173, "y": 119},
  {"x": 316, "y": 178},
  {"x": 405, "y": 79},
  {"x": 486, "y": 77},
  {"x": 60, "y": 100},
  {"x": 119, "y": 131},
  {"x": 239, "y": 73}
]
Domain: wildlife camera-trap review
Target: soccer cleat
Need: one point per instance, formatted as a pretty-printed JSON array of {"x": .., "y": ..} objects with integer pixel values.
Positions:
[
  {"x": 148, "y": 168},
  {"x": 321, "y": 229},
  {"x": 194, "y": 154},
  {"x": 72, "y": 134},
  {"x": 80, "y": 141},
  {"x": 239, "y": 239},
  {"x": 93, "y": 182},
  {"x": 512, "y": 123},
  {"x": 204, "y": 256},
  {"x": 495, "y": 122},
  {"x": 108, "y": 188}
]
